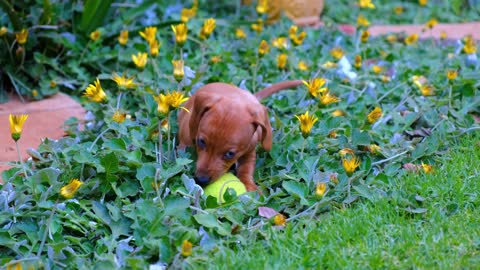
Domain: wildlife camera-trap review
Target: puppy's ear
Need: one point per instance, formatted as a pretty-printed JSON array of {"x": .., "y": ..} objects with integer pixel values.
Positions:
[
  {"x": 202, "y": 103},
  {"x": 261, "y": 119}
]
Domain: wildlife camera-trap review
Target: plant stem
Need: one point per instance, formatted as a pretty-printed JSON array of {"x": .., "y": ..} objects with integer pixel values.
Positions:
[
  {"x": 450, "y": 96},
  {"x": 160, "y": 142},
  {"x": 168, "y": 136},
  {"x": 255, "y": 70},
  {"x": 96, "y": 139},
  {"x": 44, "y": 238},
  {"x": 20, "y": 159}
]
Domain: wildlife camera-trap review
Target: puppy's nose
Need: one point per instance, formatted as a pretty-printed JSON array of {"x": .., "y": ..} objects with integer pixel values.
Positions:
[{"x": 202, "y": 180}]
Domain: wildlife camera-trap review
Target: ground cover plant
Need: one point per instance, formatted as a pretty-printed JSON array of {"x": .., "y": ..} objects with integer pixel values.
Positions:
[{"x": 117, "y": 194}]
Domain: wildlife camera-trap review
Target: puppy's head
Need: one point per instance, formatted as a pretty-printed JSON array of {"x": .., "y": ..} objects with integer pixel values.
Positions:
[{"x": 223, "y": 131}]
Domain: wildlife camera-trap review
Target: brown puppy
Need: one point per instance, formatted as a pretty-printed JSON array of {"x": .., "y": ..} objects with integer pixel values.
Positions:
[{"x": 226, "y": 123}]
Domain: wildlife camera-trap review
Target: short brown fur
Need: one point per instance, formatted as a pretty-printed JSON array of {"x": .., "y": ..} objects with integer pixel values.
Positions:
[{"x": 225, "y": 123}]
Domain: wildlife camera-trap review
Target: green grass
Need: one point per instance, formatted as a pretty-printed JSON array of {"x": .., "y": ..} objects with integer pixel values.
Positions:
[{"x": 383, "y": 234}]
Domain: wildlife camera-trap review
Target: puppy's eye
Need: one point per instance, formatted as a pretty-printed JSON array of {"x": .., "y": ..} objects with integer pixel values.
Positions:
[
  {"x": 229, "y": 155},
  {"x": 201, "y": 143}
]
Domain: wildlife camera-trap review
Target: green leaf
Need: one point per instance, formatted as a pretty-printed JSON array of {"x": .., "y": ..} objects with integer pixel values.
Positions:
[
  {"x": 176, "y": 206},
  {"x": 115, "y": 144},
  {"x": 210, "y": 221},
  {"x": 110, "y": 163},
  {"x": 297, "y": 189},
  {"x": 360, "y": 137}
]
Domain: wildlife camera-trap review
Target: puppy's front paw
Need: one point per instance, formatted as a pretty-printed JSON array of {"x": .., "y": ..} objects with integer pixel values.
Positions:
[{"x": 251, "y": 186}]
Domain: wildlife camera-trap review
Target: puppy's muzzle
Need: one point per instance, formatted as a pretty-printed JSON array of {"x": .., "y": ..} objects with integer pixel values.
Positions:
[{"x": 202, "y": 180}]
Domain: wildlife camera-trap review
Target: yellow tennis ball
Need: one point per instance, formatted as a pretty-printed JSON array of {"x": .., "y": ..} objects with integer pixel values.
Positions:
[{"x": 218, "y": 188}]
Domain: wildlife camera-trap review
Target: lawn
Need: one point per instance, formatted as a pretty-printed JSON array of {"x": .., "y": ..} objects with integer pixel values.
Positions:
[
  {"x": 429, "y": 221},
  {"x": 373, "y": 163}
]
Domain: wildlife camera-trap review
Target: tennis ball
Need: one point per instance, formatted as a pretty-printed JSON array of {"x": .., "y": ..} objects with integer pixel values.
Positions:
[{"x": 218, "y": 187}]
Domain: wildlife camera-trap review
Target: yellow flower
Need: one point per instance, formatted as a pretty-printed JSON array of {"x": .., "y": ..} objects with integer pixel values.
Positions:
[
  {"x": 3, "y": 31},
  {"x": 149, "y": 34},
  {"x": 263, "y": 48},
  {"x": 411, "y": 39},
  {"x": 327, "y": 98},
  {"x": 338, "y": 113},
  {"x": 320, "y": 188},
  {"x": 53, "y": 84},
  {"x": 431, "y": 23},
  {"x": 292, "y": 31},
  {"x": 337, "y": 53},
  {"x": 262, "y": 6},
  {"x": 187, "y": 13},
  {"x": 69, "y": 190},
  {"x": 279, "y": 220},
  {"x": 332, "y": 134},
  {"x": 175, "y": 99},
  {"x": 163, "y": 106},
  {"x": 377, "y": 69},
  {"x": 124, "y": 82},
  {"x": 329, "y": 64},
  {"x": 419, "y": 81},
  {"x": 280, "y": 42},
  {"x": 306, "y": 123},
  {"x": 302, "y": 66},
  {"x": 154, "y": 48},
  {"x": 239, "y": 33},
  {"x": 346, "y": 151},
  {"x": 207, "y": 28},
  {"x": 215, "y": 59},
  {"x": 187, "y": 247},
  {"x": 180, "y": 31},
  {"x": 366, "y": 4},
  {"x": 34, "y": 93},
  {"x": 365, "y": 35},
  {"x": 296, "y": 39},
  {"x": 374, "y": 115},
  {"x": 22, "y": 36},
  {"x": 362, "y": 21},
  {"x": 169, "y": 101},
  {"x": 392, "y": 38},
  {"x": 350, "y": 164},
  {"x": 140, "y": 60},
  {"x": 123, "y": 37},
  {"x": 119, "y": 117},
  {"x": 358, "y": 61},
  {"x": 452, "y": 74},
  {"x": 427, "y": 168},
  {"x": 374, "y": 149},
  {"x": 443, "y": 35},
  {"x": 427, "y": 90},
  {"x": 95, "y": 92},
  {"x": 95, "y": 35},
  {"x": 16, "y": 125},
  {"x": 282, "y": 60},
  {"x": 314, "y": 86},
  {"x": 398, "y": 10},
  {"x": 469, "y": 46},
  {"x": 257, "y": 27},
  {"x": 178, "y": 71},
  {"x": 422, "y": 2}
]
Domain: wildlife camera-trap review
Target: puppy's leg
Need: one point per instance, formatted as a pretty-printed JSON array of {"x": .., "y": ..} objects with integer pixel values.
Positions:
[{"x": 245, "y": 168}]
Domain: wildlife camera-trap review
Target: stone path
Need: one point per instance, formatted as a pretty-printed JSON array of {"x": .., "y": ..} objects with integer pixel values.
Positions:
[{"x": 47, "y": 116}]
